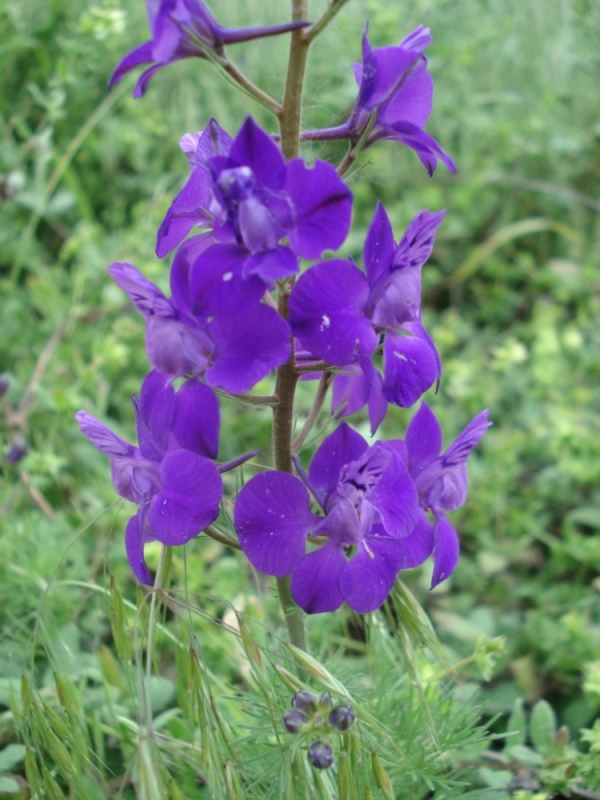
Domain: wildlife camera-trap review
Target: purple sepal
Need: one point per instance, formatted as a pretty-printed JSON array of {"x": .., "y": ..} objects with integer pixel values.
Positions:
[
  {"x": 134, "y": 547},
  {"x": 369, "y": 576},
  {"x": 272, "y": 519},
  {"x": 197, "y": 419},
  {"x": 246, "y": 352},
  {"x": 445, "y": 551},
  {"x": 218, "y": 286},
  {"x": 327, "y": 313},
  {"x": 418, "y": 546},
  {"x": 410, "y": 368},
  {"x": 180, "y": 511},
  {"x": 315, "y": 580}
]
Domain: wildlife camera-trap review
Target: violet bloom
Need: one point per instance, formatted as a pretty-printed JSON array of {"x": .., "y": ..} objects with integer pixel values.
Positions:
[
  {"x": 442, "y": 484},
  {"x": 183, "y": 338},
  {"x": 184, "y": 29},
  {"x": 370, "y": 506},
  {"x": 394, "y": 98},
  {"x": 338, "y": 313},
  {"x": 249, "y": 197},
  {"x": 171, "y": 475}
]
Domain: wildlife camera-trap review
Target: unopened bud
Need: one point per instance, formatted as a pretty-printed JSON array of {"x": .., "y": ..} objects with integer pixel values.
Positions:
[
  {"x": 320, "y": 755},
  {"x": 17, "y": 451},
  {"x": 295, "y": 721},
  {"x": 305, "y": 701},
  {"x": 342, "y": 717},
  {"x": 324, "y": 701},
  {"x": 4, "y": 384}
]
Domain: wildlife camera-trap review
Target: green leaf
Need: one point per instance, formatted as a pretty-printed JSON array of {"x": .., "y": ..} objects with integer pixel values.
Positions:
[
  {"x": 525, "y": 755},
  {"x": 542, "y": 726},
  {"x": 516, "y": 726},
  {"x": 8, "y": 785},
  {"x": 12, "y": 755}
]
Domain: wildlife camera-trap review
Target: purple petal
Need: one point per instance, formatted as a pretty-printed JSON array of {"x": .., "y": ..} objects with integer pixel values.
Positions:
[
  {"x": 259, "y": 229},
  {"x": 197, "y": 418},
  {"x": 395, "y": 496},
  {"x": 462, "y": 447},
  {"x": 135, "y": 58},
  {"x": 272, "y": 519},
  {"x": 322, "y": 208},
  {"x": 254, "y": 148},
  {"x": 417, "y": 243},
  {"x": 314, "y": 583},
  {"x": 145, "y": 296},
  {"x": 419, "y": 545},
  {"x": 191, "y": 490},
  {"x": 198, "y": 148},
  {"x": 134, "y": 547},
  {"x": 102, "y": 437},
  {"x": 410, "y": 368},
  {"x": 370, "y": 574},
  {"x": 271, "y": 266},
  {"x": 445, "y": 551},
  {"x": 192, "y": 206},
  {"x": 341, "y": 447},
  {"x": 327, "y": 313},
  {"x": 246, "y": 352},
  {"x": 218, "y": 287},
  {"x": 423, "y": 439},
  {"x": 379, "y": 246}
]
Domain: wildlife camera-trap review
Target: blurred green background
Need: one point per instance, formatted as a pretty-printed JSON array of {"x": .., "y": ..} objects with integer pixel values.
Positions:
[{"x": 512, "y": 296}]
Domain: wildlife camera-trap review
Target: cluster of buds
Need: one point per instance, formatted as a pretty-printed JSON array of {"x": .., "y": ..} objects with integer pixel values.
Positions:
[{"x": 317, "y": 714}]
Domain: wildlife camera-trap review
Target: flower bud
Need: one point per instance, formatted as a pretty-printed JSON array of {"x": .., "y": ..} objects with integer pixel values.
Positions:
[
  {"x": 305, "y": 701},
  {"x": 295, "y": 721},
  {"x": 342, "y": 717},
  {"x": 4, "y": 384},
  {"x": 324, "y": 701},
  {"x": 320, "y": 755},
  {"x": 17, "y": 451}
]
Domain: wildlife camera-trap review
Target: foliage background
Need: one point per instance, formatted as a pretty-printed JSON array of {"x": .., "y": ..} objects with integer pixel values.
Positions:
[{"x": 512, "y": 295}]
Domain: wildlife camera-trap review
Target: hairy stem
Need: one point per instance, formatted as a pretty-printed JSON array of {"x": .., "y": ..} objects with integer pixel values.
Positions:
[{"x": 290, "y": 114}]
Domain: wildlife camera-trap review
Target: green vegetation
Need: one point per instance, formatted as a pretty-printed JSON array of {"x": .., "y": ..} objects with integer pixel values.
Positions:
[{"x": 513, "y": 301}]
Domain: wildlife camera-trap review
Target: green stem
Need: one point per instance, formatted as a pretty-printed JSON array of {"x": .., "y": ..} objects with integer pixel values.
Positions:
[
  {"x": 287, "y": 378},
  {"x": 317, "y": 28},
  {"x": 164, "y": 564},
  {"x": 290, "y": 114},
  {"x": 294, "y": 616}
]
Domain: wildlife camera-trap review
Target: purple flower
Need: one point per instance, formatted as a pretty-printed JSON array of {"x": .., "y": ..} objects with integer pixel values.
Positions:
[
  {"x": 394, "y": 98},
  {"x": 338, "y": 313},
  {"x": 369, "y": 504},
  {"x": 183, "y": 336},
  {"x": 442, "y": 484},
  {"x": 184, "y": 29},
  {"x": 247, "y": 196},
  {"x": 171, "y": 475}
]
